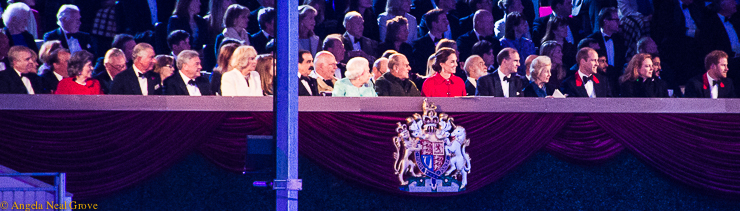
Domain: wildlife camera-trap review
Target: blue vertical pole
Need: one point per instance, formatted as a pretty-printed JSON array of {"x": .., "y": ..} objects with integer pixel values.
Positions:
[{"x": 286, "y": 101}]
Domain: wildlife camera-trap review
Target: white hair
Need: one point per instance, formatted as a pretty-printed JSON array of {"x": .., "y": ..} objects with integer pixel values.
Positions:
[
  {"x": 356, "y": 67},
  {"x": 379, "y": 61},
  {"x": 15, "y": 10},
  {"x": 64, "y": 11},
  {"x": 349, "y": 17},
  {"x": 185, "y": 56},
  {"x": 538, "y": 64}
]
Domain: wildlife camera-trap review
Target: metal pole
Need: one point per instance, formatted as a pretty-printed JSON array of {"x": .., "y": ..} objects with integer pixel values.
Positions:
[{"x": 286, "y": 102}]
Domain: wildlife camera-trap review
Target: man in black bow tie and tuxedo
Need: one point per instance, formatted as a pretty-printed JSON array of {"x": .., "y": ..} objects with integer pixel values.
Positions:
[
  {"x": 68, "y": 19},
  {"x": 714, "y": 83},
  {"x": 138, "y": 79},
  {"x": 586, "y": 82},
  {"x": 187, "y": 81},
  {"x": 503, "y": 82},
  {"x": 611, "y": 43},
  {"x": 20, "y": 77}
]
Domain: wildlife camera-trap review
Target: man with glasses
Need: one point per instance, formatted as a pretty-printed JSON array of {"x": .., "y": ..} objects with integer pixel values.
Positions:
[
  {"x": 115, "y": 62},
  {"x": 611, "y": 43}
]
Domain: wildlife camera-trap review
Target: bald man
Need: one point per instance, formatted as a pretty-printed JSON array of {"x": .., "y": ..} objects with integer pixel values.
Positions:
[
  {"x": 476, "y": 67},
  {"x": 380, "y": 67},
  {"x": 482, "y": 30},
  {"x": 396, "y": 81},
  {"x": 324, "y": 68}
]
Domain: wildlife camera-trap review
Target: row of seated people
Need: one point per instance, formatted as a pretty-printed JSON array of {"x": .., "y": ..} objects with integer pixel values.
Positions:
[{"x": 590, "y": 80}]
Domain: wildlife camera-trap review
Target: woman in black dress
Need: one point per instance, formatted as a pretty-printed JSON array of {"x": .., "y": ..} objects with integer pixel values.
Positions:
[{"x": 638, "y": 80}]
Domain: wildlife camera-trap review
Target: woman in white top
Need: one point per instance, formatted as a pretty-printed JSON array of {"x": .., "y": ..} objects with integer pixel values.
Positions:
[
  {"x": 235, "y": 21},
  {"x": 242, "y": 80},
  {"x": 401, "y": 8}
]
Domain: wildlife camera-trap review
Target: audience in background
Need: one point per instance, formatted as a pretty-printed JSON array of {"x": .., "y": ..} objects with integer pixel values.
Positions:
[
  {"x": 16, "y": 18},
  {"x": 266, "y": 19},
  {"x": 68, "y": 33},
  {"x": 516, "y": 26},
  {"x": 236, "y": 20},
  {"x": 185, "y": 17},
  {"x": 307, "y": 39}
]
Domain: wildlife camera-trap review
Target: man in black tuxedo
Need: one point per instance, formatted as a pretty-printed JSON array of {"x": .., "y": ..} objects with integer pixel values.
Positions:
[
  {"x": 560, "y": 8},
  {"x": 676, "y": 31},
  {"x": 426, "y": 45},
  {"x": 503, "y": 82},
  {"x": 187, "y": 81},
  {"x": 307, "y": 86},
  {"x": 714, "y": 83},
  {"x": 611, "y": 43},
  {"x": 139, "y": 16},
  {"x": 254, "y": 27},
  {"x": 721, "y": 33},
  {"x": 138, "y": 79},
  {"x": 114, "y": 63},
  {"x": 21, "y": 77},
  {"x": 466, "y": 22},
  {"x": 452, "y": 30},
  {"x": 586, "y": 82},
  {"x": 354, "y": 43},
  {"x": 482, "y": 30},
  {"x": 50, "y": 78},
  {"x": 69, "y": 32},
  {"x": 476, "y": 68},
  {"x": 266, "y": 33}
]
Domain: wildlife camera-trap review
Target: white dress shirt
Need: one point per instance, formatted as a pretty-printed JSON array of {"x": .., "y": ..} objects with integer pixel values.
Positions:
[
  {"x": 609, "y": 45},
  {"x": 474, "y": 82},
  {"x": 355, "y": 45},
  {"x": 715, "y": 87},
  {"x": 588, "y": 85},
  {"x": 26, "y": 83},
  {"x": 192, "y": 88},
  {"x": 59, "y": 77},
  {"x": 690, "y": 24},
  {"x": 142, "y": 81},
  {"x": 73, "y": 43},
  {"x": 504, "y": 84},
  {"x": 305, "y": 84}
]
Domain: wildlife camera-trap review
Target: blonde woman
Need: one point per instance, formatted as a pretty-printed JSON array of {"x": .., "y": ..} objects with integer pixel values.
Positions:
[
  {"x": 540, "y": 70},
  {"x": 266, "y": 69},
  {"x": 242, "y": 80}
]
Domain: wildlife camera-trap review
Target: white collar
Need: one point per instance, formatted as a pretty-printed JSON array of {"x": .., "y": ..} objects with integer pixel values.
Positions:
[
  {"x": 351, "y": 38},
  {"x": 722, "y": 18},
  {"x": 315, "y": 75},
  {"x": 604, "y": 34},
  {"x": 17, "y": 72},
  {"x": 709, "y": 79},
  {"x": 185, "y": 78},
  {"x": 580, "y": 74},
  {"x": 57, "y": 75},
  {"x": 477, "y": 36},
  {"x": 501, "y": 75},
  {"x": 267, "y": 35},
  {"x": 136, "y": 70}
]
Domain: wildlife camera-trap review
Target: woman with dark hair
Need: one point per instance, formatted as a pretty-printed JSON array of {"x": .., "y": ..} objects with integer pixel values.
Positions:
[
  {"x": 266, "y": 69},
  {"x": 516, "y": 27},
  {"x": 398, "y": 31},
  {"x": 307, "y": 39},
  {"x": 557, "y": 30},
  {"x": 365, "y": 8},
  {"x": 484, "y": 49},
  {"x": 16, "y": 18},
  {"x": 236, "y": 21},
  {"x": 185, "y": 17},
  {"x": 508, "y": 6},
  {"x": 553, "y": 50},
  {"x": 393, "y": 9},
  {"x": 80, "y": 81},
  {"x": 224, "y": 56},
  {"x": 638, "y": 80},
  {"x": 444, "y": 83}
]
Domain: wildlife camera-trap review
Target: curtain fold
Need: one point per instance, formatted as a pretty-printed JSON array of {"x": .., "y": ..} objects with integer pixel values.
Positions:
[{"x": 106, "y": 151}]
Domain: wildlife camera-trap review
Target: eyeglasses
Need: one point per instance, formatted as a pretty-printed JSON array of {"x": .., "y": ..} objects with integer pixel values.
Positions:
[{"x": 119, "y": 67}]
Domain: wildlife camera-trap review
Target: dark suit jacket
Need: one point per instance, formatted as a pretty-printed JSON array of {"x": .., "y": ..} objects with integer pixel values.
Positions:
[
  {"x": 652, "y": 87},
  {"x": 368, "y": 45},
  {"x": 27, "y": 37},
  {"x": 669, "y": 22},
  {"x": 530, "y": 92},
  {"x": 490, "y": 85},
  {"x": 11, "y": 82},
  {"x": 258, "y": 41},
  {"x": 466, "y": 41},
  {"x": 254, "y": 26},
  {"x": 469, "y": 88},
  {"x": 174, "y": 85},
  {"x": 390, "y": 85},
  {"x": 574, "y": 87},
  {"x": 423, "y": 48},
  {"x": 698, "y": 87},
  {"x": 714, "y": 36},
  {"x": 105, "y": 81},
  {"x": 419, "y": 8},
  {"x": 302, "y": 91},
  {"x": 49, "y": 82},
  {"x": 86, "y": 41},
  {"x": 620, "y": 49},
  {"x": 127, "y": 83},
  {"x": 455, "y": 31},
  {"x": 466, "y": 23},
  {"x": 197, "y": 38},
  {"x": 540, "y": 28}
]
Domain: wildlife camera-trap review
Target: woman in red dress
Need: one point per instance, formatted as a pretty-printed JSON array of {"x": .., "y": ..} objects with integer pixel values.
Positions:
[
  {"x": 444, "y": 83},
  {"x": 80, "y": 81}
]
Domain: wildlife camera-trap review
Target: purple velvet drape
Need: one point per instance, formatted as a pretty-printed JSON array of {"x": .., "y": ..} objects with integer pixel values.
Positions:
[{"x": 104, "y": 152}]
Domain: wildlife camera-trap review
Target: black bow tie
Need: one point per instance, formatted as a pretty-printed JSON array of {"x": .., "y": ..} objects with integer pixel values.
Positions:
[
  {"x": 71, "y": 35},
  {"x": 140, "y": 75},
  {"x": 715, "y": 82},
  {"x": 607, "y": 38},
  {"x": 587, "y": 78},
  {"x": 357, "y": 40},
  {"x": 481, "y": 38},
  {"x": 191, "y": 82},
  {"x": 684, "y": 6},
  {"x": 508, "y": 79},
  {"x": 437, "y": 40},
  {"x": 27, "y": 75},
  {"x": 727, "y": 19}
]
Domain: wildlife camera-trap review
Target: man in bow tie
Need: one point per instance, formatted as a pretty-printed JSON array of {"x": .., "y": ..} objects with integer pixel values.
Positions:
[
  {"x": 586, "y": 82},
  {"x": 437, "y": 24},
  {"x": 354, "y": 43},
  {"x": 21, "y": 77},
  {"x": 714, "y": 83},
  {"x": 187, "y": 81},
  {"x": 323, "y": 71},
  {"x": 68, "y": 19},
  {"x": 503, "y": 82},
  {"x": 306, "y": 85},
  {"x": 138, "y": 79},
  {"x": 611, "y": 43}
]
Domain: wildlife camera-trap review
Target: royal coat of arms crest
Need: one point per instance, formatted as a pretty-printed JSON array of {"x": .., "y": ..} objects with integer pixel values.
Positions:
[{"x": 430, "y": 153}]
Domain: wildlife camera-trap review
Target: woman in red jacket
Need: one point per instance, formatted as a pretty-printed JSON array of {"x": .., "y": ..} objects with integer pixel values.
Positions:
[
  {"x": 80, "y": 81},
  {"x": 444, "y": 83}
]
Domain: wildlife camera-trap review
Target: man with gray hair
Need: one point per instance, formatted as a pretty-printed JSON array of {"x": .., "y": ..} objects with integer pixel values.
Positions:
[
  {"x": 333, "y": 43},
  {"x": 114, "y": 62},
  {"x": 68, "y": 19},
  {"x": 380, "y": 67},
  {"x": 323, "y": 71},
  {"x": 476, "y": 68},
  {"x": 138, "y": 79},
  {"x": 21, "y": 77},
  {"x": 187, "y": 81},
  {"x": 355, "y": 44}
]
